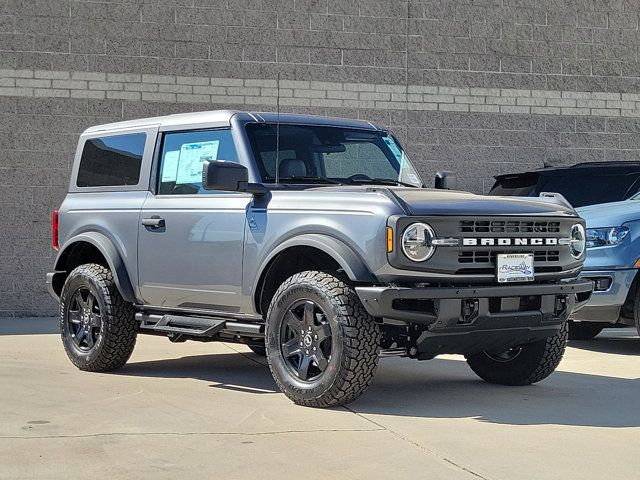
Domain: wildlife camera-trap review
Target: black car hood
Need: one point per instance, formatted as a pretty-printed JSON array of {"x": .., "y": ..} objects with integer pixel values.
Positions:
[{"x": 426, "y": 201}]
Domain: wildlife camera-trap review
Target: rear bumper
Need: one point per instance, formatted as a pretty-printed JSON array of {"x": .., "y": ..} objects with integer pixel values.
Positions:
[
  {"x": 605, "y": 305},
  {"x": 473, "y": 319}
]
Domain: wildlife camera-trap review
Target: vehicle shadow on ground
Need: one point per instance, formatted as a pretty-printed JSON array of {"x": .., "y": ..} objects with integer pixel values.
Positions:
[
  {"x": 447, "y": 389},
  {"x": 441, "y": 388},
  {"x": 629, "y": 344},
  {"x": 244, "y": 372}
]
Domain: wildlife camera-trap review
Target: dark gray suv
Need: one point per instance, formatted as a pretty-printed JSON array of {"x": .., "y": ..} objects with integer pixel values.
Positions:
[{"x": 313, "y": 241}]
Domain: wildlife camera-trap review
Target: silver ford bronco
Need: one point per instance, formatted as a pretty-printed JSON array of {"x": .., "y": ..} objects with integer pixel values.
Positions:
[{"x": 314, "y": 242}]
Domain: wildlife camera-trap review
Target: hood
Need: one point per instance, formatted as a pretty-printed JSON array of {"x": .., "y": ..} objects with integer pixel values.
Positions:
[
  {"x": 610, "y": 214},
  {"x": 425, "y": 201}
]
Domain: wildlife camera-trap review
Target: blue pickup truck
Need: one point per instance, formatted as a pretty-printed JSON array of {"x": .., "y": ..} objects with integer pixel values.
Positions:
[{"x": 606, "y": 195}]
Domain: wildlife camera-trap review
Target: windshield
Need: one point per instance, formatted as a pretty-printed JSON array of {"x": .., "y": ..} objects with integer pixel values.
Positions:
[
  {"x": 580, "y": 188},
  {"x": 308, "y": 153}
]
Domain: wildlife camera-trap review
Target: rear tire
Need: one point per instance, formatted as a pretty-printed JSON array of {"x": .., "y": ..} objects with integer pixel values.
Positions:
[
  {"x": 522, "y": 365},
  {"x": 584, "y": 330},
  {"x": 97, "y": 325},
  {"x": 322, "y": 345}
]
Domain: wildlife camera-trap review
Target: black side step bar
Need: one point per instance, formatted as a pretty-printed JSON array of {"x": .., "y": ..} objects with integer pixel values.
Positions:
[{"x": 197, "y": 326}]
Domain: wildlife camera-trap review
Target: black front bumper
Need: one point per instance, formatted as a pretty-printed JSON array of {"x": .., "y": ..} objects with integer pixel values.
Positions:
[{"x": 472, "y": 319}]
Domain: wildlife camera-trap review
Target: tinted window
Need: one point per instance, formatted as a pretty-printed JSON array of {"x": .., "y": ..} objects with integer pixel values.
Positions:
[
  {"x": 521, "y": 185},
  {"x": 183, "y": 154},
  {"x": 111, "y": 161},
  {"x": 590, "y": 188},
  {"x": 579, "y": 187}
]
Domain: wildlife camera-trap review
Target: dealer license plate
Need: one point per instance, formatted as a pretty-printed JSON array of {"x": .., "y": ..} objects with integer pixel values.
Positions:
[{"x": 514, "y": 267}]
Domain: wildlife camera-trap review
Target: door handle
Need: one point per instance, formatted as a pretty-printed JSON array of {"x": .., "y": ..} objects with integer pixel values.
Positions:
[{"x": 154, "y": 222}]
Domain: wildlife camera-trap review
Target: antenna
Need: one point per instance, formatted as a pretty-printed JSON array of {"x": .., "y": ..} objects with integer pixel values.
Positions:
[{"x": 278, "y": 131}]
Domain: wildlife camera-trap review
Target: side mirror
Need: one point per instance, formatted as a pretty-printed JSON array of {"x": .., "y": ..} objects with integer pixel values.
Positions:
[
  {"x": 228, "y": 177},
  {"x": 446, "y": 180}
]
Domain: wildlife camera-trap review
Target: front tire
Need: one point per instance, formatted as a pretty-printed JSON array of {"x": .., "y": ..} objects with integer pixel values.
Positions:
[
  {"x": 322, "y": 345},
  {"x": 522, "y": 365},
  {"x": 97, "y": 325}
]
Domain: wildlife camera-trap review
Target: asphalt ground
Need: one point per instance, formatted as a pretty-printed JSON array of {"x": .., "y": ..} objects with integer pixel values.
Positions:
[{"x": 197, "y": 410}]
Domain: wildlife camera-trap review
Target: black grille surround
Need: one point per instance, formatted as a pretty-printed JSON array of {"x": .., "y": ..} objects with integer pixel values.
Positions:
[{"x": 478, "y": 262}]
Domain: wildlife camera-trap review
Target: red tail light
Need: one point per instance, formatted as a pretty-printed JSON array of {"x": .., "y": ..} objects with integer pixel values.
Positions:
[{"x": 54, "y": 230}]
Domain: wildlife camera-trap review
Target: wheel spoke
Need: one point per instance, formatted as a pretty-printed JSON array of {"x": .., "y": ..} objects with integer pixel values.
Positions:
[
  {"x": 91, "y": 300},
  {"x": 309, "y": 319},
  {"x": 320, "y": 360},
  {"x": 79, "y": 335},
  {"x": 82, "y": 303},
  {"x": 303, "y": 367},
  {"x": 89, "y": 338},
  {"x": 323, "y": 332},
  {"x": 74, "y": 316},
  {"x": 291, "y": 348},
  {"x": 95, "y": 320},
  {"x": 293, "y": 323}
]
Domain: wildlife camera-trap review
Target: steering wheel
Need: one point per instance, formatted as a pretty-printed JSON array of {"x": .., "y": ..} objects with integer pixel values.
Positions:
[{"x": 359, "y": 176}]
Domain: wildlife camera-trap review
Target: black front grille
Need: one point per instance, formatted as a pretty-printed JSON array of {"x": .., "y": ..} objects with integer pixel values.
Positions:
[
  {"x": 479, "y": 262},
  {"x": 489, "y": 257},
  {"x": 508, "y": 226}
]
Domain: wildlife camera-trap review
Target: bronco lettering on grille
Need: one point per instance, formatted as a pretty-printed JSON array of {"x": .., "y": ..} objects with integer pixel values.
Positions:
[{"x": 473, "y": 242}]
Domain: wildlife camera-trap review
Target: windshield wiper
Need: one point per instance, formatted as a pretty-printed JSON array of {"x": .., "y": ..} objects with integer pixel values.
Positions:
[
  {"x": 305, "y": 179},
  {"x": 379, "y": 181}
]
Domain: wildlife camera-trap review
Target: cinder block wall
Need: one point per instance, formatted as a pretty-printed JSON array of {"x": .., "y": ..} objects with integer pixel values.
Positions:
[{"x": 477, "y": 86}]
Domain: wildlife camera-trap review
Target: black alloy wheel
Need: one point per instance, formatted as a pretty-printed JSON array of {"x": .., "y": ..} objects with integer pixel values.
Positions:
[
  {"x": 305, "y": 340},
  {"x": 506, "y": 356},
  {"x": 84, "y": 319}
]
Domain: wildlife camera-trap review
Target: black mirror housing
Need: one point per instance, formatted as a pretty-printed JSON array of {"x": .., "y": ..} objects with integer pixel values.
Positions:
[
  {"x": 224, "y": 175},
  {"x": 446, "y": 180},
  {"x": 228, "y": 177}
]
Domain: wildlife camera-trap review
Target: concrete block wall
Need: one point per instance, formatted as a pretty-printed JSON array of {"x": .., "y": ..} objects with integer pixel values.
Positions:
[{"x": 477, "y": 86}]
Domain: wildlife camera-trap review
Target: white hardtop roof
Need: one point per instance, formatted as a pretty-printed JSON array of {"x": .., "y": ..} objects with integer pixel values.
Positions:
[{"x": 223, "y": 117}]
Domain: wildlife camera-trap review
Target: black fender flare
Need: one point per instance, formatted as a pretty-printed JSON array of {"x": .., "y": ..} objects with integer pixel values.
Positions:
[
  {"x": 353, "y": 265},
  {"x": 112, "y": 255}
]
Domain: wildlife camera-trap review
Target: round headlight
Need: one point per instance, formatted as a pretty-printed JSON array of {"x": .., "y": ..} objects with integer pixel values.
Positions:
[
  {"x": 578, "y": 240},
  {"x": 417, "y": 242}
]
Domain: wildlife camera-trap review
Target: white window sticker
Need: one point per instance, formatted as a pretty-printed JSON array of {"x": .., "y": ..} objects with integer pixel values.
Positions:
[
  {"x": 192, "y": 156},
  {"x": 170, "y": 166}
]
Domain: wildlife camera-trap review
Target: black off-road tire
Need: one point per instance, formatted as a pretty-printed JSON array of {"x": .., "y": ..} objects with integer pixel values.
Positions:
[
  {"x": 535, "y": 362},
  {"x": 260, "y": 350},
  {"x": 584, "y": 330},
  {"x": 118, "y": 329},
  {"x": 355, "y": 341}
]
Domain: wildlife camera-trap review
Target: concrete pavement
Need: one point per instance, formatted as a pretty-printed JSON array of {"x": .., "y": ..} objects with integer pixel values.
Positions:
[{"x": 212, "y": 411}]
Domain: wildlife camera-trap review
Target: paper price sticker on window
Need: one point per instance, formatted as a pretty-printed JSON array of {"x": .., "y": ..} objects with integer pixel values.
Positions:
[{"x": 192, "y": 156}]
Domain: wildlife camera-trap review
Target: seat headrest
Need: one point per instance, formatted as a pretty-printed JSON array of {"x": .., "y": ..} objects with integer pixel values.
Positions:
[{"x": 292, "y": 167}]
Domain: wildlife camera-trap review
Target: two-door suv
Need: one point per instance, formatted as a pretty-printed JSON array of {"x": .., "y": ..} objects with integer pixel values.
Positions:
[{"x": 313, "y": 241}]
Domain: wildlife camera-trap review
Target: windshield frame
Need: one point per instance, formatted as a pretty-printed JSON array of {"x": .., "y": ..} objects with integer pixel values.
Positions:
[{"x": 402, "y": 161}]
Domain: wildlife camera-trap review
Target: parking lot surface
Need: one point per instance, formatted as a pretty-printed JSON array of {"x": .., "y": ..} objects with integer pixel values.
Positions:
[{"x": 197, "y": 410}]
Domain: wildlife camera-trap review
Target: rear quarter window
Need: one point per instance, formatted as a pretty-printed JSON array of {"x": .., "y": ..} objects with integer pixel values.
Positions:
[{"x": 113, "y": 160}]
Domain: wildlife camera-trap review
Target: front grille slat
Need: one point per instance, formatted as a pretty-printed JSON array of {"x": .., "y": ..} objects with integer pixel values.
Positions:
[
  {"x": 508, "y": 226},
  {"x": 478, "y": 256}
]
